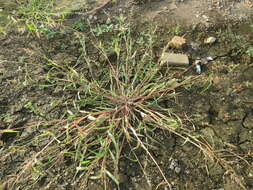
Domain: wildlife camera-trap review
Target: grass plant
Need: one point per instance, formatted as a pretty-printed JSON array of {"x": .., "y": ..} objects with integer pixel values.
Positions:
[{"x": 120, "y": 102}]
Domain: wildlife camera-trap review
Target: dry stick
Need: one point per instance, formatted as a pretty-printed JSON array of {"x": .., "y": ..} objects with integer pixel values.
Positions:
[{"x": 144, "y": 147}]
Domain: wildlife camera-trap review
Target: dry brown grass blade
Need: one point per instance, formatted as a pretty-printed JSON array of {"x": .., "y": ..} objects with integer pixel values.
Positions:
[{"x": 152, "y": 158}]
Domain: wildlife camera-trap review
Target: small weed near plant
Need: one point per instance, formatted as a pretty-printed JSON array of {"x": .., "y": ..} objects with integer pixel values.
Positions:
[
  {"x": 101, "y": 29},
  {"x": 40, "y": 17},
  {"x": 176, "y": 30},
  {"x": 250, "y": 51}
]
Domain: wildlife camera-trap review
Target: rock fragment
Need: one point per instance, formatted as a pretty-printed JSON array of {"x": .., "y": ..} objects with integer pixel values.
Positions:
[
  {"x": 210, "y": 40},
  {"x": 195, "y": 46},
  {"x": 175, "y": 59}
]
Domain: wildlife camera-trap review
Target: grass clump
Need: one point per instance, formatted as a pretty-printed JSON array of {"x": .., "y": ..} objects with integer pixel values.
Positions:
[
  {"x": 120, "y": 101},
  {"x": 117, "y": 103}
]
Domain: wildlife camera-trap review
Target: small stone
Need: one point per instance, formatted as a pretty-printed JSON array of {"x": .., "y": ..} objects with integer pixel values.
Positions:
[
  {"x": 195, "y": 46},
  {"x": 210, "y": 40},
  {"x": 175, "y": 59},
  {"x": 91, "y": 118},
  {"x": 177, "y": 42},
  {"x": 205, "y": 17},
  {"x": 108, "y": 21},
  {"x": 209, "y": 58},
  {"x": 90, "y": 17},
  {"x": 174, "y": 165},
  {"x": 177, "y": 170}
]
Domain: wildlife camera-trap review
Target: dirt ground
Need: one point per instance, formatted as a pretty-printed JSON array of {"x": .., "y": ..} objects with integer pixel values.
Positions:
[{"x": 217, "y": 105}]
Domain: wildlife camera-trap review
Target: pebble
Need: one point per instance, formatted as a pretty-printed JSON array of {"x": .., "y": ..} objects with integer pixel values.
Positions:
[
  {"x": 210, "y": 40},
  {"x": 205, "y": 17},
  {"x": 108, "y": 21},
  {"x": 195, "y": 46},
  {"x": 91, "y": 118},
  {"x": 209, "y": 58},
  {"x": 177, "y": 170},
  {"x": 90, "y": 17},
  {"x": 174, "y": 165}
]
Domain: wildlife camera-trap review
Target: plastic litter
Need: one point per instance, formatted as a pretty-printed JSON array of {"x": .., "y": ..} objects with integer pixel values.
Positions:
[{"x": 198, "y": 68}]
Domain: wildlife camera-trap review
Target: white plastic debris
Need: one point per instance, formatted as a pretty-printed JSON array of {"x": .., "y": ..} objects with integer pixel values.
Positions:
[
  {"x": 143, "y": 115},
  {"x": 91, "y": 118},
  {"x": 198, "y": 68}
]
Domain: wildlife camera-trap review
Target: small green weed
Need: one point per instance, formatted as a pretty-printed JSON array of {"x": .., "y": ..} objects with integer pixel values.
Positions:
[
  {"x": 103, "y": 28},
  {"x": 176, "y": 30},
  {"x": 250, "y": 51},
  {"x": 40, "y": 17},
  {"x": 79, "y": 26}
]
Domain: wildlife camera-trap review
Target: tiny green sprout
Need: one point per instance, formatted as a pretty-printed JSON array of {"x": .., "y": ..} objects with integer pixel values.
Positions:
[
  {"x": 79, "y": 26},
  {"x": 103, "y": 28},
  {"x": 176, "y": 30},
  {"x": 250, "y": 51}
]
